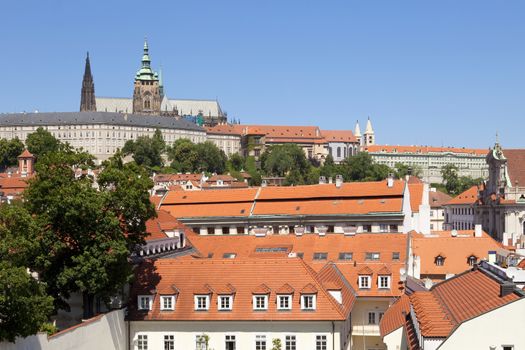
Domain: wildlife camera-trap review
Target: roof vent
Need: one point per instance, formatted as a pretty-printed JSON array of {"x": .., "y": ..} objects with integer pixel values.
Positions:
[
  {"x": 454, "y": 233},
  {"x": 506, "y": 288},
  {"x": 322, "y": 180},
  {"x": 338, "y": 181}
]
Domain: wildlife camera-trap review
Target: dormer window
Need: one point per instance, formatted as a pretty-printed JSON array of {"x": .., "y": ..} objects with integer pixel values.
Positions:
[
  {"x": 308, "y": 302},
  {"x": 167, "y": 302},
  {"x": 284, "y": 302},
  {"x": 145, "y": 302},
  {"x": 383, "y": 282},
  {"x": 364, "y": 282},
  {"x": 260, "y": 302},
  {"x": 225, "y": 302},
  {"x": 439, "y": 260},
  {"x": 202, "y": 302},
  {"x": 472, "y": 260}
]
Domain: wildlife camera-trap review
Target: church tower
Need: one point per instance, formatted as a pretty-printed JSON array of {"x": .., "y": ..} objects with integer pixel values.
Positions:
[
  {"x": 146, "y": 94},
  {"x": 87, "y": 95},
  {"x": 369, "y": 136},
  {"x": 357, "y": 134}
]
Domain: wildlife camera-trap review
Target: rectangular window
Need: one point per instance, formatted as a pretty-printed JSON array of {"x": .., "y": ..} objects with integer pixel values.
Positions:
[
  {"x": 308, "y": 302},
  {"x": 169, "y": 342},
  {"x": 260, "y": 302},
  {"x": 395, "y": 256},
  {"x": 320, "y": 342},
  {"x": 200, "y": 342},
  {"x": 384, "y": 282},
  {"x": 240, "y": 230},
  {"x": 229, "y": 255},
  {"x": 260, "y": 342},
  {"x": 202, "y": 302},
  {"x": 383, "y": 228},
  {"x": 225, "y": 230},
  {"x": 372, "y": 256},
  {"x": 225, "y": 302},
  {"x": 393, "y": 228},
  {"x": 367, "y": 228},
  {"x": 364, "y": 282},
  {"x": 372, "y": 318},
  {"x": 345, "y": 256},
  {"x": 320, "y": 256},
  {"x": 167, "y": 302},
  {"x": 284, "y": 302},
  {"x": 145, "y": 302},
  {"x": 142, "y": 342},
  {"x": 230, "y": 342},
  {"x": 290, "y": 343},
  {"x": 211, "y": 230}
]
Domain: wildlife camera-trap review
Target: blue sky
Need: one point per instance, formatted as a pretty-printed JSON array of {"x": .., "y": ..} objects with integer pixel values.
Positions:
[{"x": 437, "y": 73}]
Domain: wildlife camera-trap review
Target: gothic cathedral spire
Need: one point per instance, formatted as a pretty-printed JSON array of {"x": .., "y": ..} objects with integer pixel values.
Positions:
[{"x": 87, "y": 95}]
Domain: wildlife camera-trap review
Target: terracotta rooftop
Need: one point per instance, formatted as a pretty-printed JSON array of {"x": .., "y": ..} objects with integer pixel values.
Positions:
[
  {"x": 164, "y": 222},
  {"x": 394, "y": 317},
  {"x": 245, "y": 276},
  {"x": 339, "y": 135},
  {"x": 456, "y": 250},
  {"x": 26, "y": 154},
  {"x": 469, "y": 196},
  {"x": 516, "y": 166},
  {"x": 425, "y": 150},
  {"x": 438, "y": 198}
]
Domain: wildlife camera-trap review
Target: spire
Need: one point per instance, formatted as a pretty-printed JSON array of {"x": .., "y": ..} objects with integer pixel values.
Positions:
[
  {"x": 357, "y": 132},
  {"x": 146, "y": 62},
  {"x": 87, "y": 94},
  {"x": 369, "y": 129},
  {"x": 161, "y": 84},
  {"x": 145, "y": 72}
]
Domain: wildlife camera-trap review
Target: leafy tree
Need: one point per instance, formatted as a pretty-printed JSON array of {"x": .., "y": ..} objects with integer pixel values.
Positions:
[
  {"x": 210, "y": 158},
  {"x": 183, "y": 156},
  {"x": 86, "y": 233},
  {"x": 455, "y": 184},
  {"x": 146, "y": 151},
  {"x": 9, "y": 152},
  {"x": 24, "y": 304},
  {"x": 276, "y": 344},
  {"x": 251, "y": 168},
  {"x": 361, "y": 167},
  {"x": 41, "y": 142},
  {"x": 329, "y": 168},
  {"x": 236, "y": 162},
  {"x": 279, "y": 160},
  {"x": 402, "y": 170}
]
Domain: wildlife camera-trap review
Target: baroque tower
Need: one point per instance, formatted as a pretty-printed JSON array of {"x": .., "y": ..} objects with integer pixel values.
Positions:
[
  {"x": 87, "y": 95},
  {"x": 146, "y": 94},
  {"x": 369, "y": 136}
]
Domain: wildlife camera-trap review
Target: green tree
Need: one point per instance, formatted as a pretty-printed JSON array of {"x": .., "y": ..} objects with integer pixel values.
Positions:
[
  {"x": 279, "y": 160},
  {"x": 361, "y": 167},
  {"x": 9, "y": 152},
  {"x": 236, "y": 162},
  {"x": 251, "y": 168},
  {"x": 183, "y": 156},
  {"x": 24, "y": 305},
  {"x": 41, "y": 142},
  {"x": 145, "y": 150},
  {"x": 86, "y": 233},
  {"x": 276, "y": 344},
  {"x": 449, "y": 173},
  {"x": 402, "y": 170},
  {"x": 210, "y": 158}
]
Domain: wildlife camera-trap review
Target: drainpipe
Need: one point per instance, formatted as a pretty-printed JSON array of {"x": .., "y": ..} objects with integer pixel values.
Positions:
[{"x": 333, "y": 335}]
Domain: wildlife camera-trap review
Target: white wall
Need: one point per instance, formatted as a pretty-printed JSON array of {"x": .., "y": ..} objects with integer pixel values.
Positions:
[
  {"x": 502, "y": 326},
  {"x": 107, "y": 332},
  {"x": 394, "y": 340},
  {"x": 244, "y": 332}
]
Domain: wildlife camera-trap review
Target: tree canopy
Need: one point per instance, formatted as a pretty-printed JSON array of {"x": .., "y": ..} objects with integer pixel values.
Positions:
[
  {"x": 455, "y": 184},
  {"x": 9, "y": 152},
  {"x": 145, "y": 150},
  {"x": 279, "y": 160},
  {"x": 185, "y": 156},
  {"x": 41, "y": 142},
  {"x": 87, "y": 228},
  {"x": 361, "y": 167},
  {"x": 24, "y": 304}
]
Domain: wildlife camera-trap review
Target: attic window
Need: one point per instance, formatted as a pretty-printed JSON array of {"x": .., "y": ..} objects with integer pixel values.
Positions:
[
  {"x": 372, "y": 256},
  {"x": 320, "y": 256},
  {"x": 271, "y": 249},
  {"x": 345, "y": 255},
  {"x": 439, "y": 260},
  {"x": 472, "y": 260},
  {"x": 395, "y": 256},
  {"x": 229, "y": 255}
]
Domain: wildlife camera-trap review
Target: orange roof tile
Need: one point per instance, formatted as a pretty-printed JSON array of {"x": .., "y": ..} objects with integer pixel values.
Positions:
[
  {"x": 395, "y": 315},
  {"x": 26, "y": 154},
  {"x": 285, "y": 289},
  {"x": 365, "y": 270},
  {"x": 261, "y": 289},
  {"x": 157, "y": 227},
  {"x": 424, "y": 150},
  {"x": 224, "y": 196},
  {"x": 438, "y": 198},
  {"x": 456, "y": 250},
  {"x": 246, "y": 275},
  {"x": 309, "y": 289},
  {"x": 339, "y": 135},
  {"x": 416, "y": 195},
  {"x": 469, "y": 196},
  {"x": 384, "y": 271},
  {"x": 516, "y": 166}
]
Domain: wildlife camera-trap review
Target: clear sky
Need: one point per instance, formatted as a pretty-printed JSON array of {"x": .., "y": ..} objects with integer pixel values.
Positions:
[{"x": 444, "y": 72}]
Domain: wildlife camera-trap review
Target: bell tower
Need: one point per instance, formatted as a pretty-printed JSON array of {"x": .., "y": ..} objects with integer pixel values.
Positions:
[{"x": 146, "y": 93}]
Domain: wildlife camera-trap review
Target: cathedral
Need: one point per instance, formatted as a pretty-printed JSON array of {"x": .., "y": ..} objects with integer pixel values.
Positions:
[{"x": 149, "y": 99}]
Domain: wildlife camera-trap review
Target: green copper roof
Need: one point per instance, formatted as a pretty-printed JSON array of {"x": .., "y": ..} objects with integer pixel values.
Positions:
[{"x": 145, "y": 72}]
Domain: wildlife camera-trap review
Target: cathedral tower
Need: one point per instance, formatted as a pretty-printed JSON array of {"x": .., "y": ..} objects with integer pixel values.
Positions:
[
  {"x": 369, "y": 136},
  {"x": 87, "y": 95},
  {"x": 146, "y": 94}
]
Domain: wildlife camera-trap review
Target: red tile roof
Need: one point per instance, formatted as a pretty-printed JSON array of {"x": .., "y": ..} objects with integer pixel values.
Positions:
[
  {"x": 469, "y": 196},
  {"x": 516, "y": 166},
  {"x": 438, "y": 198},
  {"x": 456, "y": 250},
  {"x": 245, "y": 276},
  {"x": 395, "y": 315},
  {"x": 339, "y": 136},
  {"x": 26, "y": 154},
  {"x": 456, "y": 300},
  {"x": 424, "y": 150},
  {"x": 164, "y": 222}
]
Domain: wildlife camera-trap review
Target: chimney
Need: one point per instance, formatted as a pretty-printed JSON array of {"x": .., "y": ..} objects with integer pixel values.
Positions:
[
  {"x": 506, "y": 288},
  {"x": 322, "y": 180},
  {"x": 390, "y": 180},
  {"x": 9, "y": 174},
  {"x": 477, "y": 231},
  {"x": 264, "y": 183},
  {"x": 338, "y": 181},
  {"x": 330, "y": 180}
]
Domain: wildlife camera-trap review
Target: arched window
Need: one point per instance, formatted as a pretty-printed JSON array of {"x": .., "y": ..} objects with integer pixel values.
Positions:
[
  {"x": 147, "y": 104},
  {"x": 338, "y": 152},
  {"x": 439, "y": 260},
  {"x": 472, "y": 260}
]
